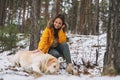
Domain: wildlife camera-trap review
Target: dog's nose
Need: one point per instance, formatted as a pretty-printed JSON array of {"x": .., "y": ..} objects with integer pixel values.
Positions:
[{"x": 49, "y": 71}]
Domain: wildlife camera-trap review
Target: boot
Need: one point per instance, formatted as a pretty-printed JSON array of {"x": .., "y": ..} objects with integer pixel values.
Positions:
[{"x": 71, "y": 70}]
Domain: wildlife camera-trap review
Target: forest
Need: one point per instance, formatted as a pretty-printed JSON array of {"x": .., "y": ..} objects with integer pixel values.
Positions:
[{"x": 83, "y": 17}]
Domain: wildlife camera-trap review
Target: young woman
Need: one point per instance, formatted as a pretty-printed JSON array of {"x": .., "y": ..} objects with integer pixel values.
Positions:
[{"x": 53, "y": 39}]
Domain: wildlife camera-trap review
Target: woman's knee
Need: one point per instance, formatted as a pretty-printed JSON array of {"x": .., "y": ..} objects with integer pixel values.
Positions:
[
  {"x": 54, "y": 53},
  {"x": 64, "y": 44}
]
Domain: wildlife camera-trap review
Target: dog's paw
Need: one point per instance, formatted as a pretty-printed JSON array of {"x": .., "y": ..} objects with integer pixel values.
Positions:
[{"x": 36, "y": 75}]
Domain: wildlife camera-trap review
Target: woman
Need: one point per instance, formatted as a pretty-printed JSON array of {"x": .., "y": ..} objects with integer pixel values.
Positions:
[{"x": 53, "y": 39}]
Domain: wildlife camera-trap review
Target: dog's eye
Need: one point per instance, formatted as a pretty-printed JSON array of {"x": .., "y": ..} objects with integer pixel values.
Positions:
[{"x": 54, "y": 66}]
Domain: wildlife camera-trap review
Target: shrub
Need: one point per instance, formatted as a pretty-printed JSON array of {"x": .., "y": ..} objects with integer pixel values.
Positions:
[{"x": 8, "y": 37}]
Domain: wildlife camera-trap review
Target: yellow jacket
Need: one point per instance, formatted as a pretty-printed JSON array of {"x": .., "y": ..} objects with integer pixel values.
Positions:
[{"x": 47, "y": 39}]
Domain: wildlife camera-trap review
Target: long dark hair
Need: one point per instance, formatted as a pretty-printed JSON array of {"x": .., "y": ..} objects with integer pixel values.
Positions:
[{"x": 51, "y": 22}]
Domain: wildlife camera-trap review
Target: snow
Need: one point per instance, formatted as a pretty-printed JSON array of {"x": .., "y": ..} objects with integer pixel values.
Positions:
[{"x": 81, "y": 47}]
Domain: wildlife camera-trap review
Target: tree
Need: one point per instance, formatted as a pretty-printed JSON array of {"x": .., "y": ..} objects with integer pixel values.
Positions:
[
  {"x": 78, "y": 17},
  {"x": 95, "y": 29},
  {"x": 35, "y": 28},
  {"x": 57, "y": 7},
  {"x": 73, "y": 16},
  {"x": 85, "y": 16},
  {"x": 112, "y": 55},
  {"x": 2, "y": 12},
  {"x": 46, "y": 10},
  {"x": 103, "y": 14}
]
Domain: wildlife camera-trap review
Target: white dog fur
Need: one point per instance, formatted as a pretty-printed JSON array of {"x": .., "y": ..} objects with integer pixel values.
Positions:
[{"x": 37, "y": 62}]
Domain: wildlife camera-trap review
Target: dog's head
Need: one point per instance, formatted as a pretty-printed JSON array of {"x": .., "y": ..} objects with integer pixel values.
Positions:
[{"x": 52, "y": 66}]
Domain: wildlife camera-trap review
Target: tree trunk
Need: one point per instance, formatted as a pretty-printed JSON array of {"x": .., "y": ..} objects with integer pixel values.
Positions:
[
  {"x": 96, "y": 16},
  {"x": 112, "y": 55},
  {"x": 84, "y": 16},
  {"x": 78, "y": 17},
  {"x": 73, "y": 16},
  {"x": 46, "y": 11},
  {"x": 2, "y": 12},
  {"x": 23, "y": 18},
  {"x": 35, "y": 30},
  {"x": 57, "y": 7}
]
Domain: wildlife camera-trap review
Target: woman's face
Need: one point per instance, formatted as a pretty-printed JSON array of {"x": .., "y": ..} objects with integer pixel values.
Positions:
[{"x": 58, "y": 23}]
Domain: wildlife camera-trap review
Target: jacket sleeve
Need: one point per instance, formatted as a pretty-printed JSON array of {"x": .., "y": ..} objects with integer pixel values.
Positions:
[
  {"x": 43, "y": 43},
  {"x": 62, "y": 36}
]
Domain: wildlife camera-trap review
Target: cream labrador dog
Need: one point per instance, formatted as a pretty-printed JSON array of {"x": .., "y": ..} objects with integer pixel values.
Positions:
[{"x": 39, "y": 63}]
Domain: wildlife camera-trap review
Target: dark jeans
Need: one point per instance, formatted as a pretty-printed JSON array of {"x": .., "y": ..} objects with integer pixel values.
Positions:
[{"x": 61, "y": 50}]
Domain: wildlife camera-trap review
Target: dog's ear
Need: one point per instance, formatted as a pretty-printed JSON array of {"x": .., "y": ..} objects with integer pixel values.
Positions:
[{"x": 50, "y": 61}]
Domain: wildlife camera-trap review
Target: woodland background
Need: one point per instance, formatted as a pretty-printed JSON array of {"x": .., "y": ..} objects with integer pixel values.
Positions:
[{"x": 84, "y": 17}]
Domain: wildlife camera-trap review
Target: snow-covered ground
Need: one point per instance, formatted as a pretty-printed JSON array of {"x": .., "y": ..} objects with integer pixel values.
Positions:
[{"x": 82, "y": 47}]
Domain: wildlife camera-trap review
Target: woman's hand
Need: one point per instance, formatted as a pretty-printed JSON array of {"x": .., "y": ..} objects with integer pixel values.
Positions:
[
  {"x": 63, "y": 26},
  {"x": 35, "y": 51}
]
